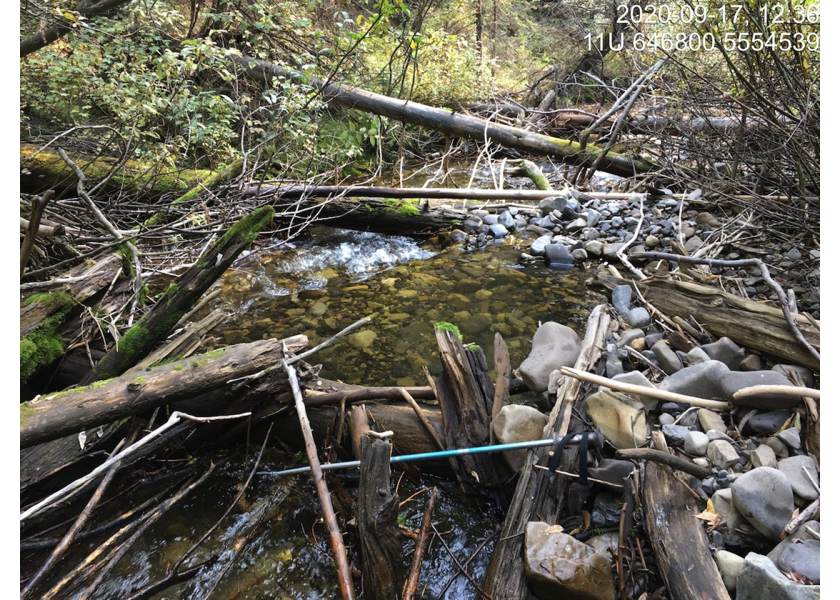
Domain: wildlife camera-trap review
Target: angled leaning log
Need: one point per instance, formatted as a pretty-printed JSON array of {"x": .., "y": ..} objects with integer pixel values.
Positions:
[
  {"x": 185, "y": 291},
  {"x": 56, "y": 415}
]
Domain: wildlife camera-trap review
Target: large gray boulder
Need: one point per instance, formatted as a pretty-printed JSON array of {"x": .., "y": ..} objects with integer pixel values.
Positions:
[
  {"x": 761, "y": 580},
  {"x": 765, "y": 498},
  {"x": 734, "y": 381},
  {"x": 700, "y": 380},
  {"x": 554, "y": 346}
]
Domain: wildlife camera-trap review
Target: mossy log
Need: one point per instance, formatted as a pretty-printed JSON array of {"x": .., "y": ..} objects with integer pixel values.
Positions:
[
  {"x": 755, "y": 325},
  {"x": 42, "y": 314},
  {"x": 52, "y": 416},
  {"x": 46, "y": 169},
  {"x": 156, "y": 325}
]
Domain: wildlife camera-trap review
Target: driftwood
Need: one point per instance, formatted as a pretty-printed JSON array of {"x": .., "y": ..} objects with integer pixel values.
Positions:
[
  {"x": 379, "y": 533},
  {"x": 420, "y": 548},
  {"x": 466, "y": 400},
  {"x": 677, "y": 537},
  {"x": 538, "y": 498},
  {"x": 38, "y": 206},
  {"x": 56, "y": 415},
  {"x": 155, "y": 325},
  {"x": 760, "y": 327}
]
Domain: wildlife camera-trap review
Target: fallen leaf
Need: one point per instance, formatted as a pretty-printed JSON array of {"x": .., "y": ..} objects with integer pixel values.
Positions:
[{"x": 710, "y": 516}]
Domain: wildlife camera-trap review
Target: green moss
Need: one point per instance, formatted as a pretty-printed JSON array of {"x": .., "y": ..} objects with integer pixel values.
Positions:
[
  {"x": 473, "y": 347},
  {"x": 26, "y": 411},
  {"x": 404, "y": 207},
  {"x": 178, "y": 368},
  {"x": 127, "y": 261},
  {"x": 214, "y": 353},
  {"x": 446, "y": 326},
  {"x": 141, "y": 380},
  {"x": 44, "y": 345}
]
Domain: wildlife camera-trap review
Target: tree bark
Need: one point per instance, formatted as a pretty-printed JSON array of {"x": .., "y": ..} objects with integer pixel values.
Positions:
[
  {"x": 181, "y": 295},
  {"x": 676, "y": 535},
  {"x": 379, "y": 533},
  {"x": 55, "y": 415},
  {"x": 449, "y": 122}
]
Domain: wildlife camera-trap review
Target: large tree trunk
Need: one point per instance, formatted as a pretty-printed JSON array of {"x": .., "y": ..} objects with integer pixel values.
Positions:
[
  {"x": 449, "y": 122},
  {"x": 55, "y": 415}
]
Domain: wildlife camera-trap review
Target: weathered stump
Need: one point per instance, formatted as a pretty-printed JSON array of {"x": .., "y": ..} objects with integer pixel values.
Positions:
[{"x": 379, "y": 533}]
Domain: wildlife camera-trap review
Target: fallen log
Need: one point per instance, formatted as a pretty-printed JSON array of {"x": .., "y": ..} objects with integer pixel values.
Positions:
[
  {"x": 156, "y": 325},
  {"x": 537, "y": 497},
  {"x": 676, "y": 535},
  {"x": 447, "y": 121},
  {"x": 53, "y": 416},
  {"x": 41, "y": 315},
  {"x": 760, "y": 327}
]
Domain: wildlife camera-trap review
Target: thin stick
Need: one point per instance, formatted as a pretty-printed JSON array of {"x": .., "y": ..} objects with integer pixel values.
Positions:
[
  {"x": 38, "y": 206},
  {"x": 576, "y": 475},
  {"x": 62, "y": 546},
  {"x": 173, "y": 420},
  {"x": 675, "y": 462},
  {"x": 643, "y": 391},
  {"x": 420, "y": 548},
  {"x": 422, "y": 418},
  {"x": 459, "y": 565},
  {"x": 329, "y": 342},
  {"x": 620, "y": 254},
  {"x": 786, "y": 390},
  {"x": 345, "y": 579},
  {"x": 805, "y": 515}
]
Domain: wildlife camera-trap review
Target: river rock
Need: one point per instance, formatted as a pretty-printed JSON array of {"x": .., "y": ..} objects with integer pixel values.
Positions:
[
  {"x": 559, "y": 566},
  {"x": 539, "y": 244},
  {"x": 558, "y": 254},
  {"x": 638, "y": 317},
  {"x": 778, "y": 447},
  {"x": 768, "y": 421},
  {"x": 705, "y": 218},
  {"x": 730, "y": 565},
  {"x": 696, "y": 356},
  {"x": 621, "y": 297},
  {"x": 791, "y": 438},
  {"x": 507, "y": 220},
  {"x": 675, "y": 434},
  {"x": 701, "y": 381},
  {"x": 751, "y": 362},
  {"x": 709, "y": 419},
  {"x": 722, "y": 454},
  {"x": 802, "y": 558},
  {"x": 761, "y": 580},
  {"x": 612, "y": 470},
  {"x": 491, "y": 219},
  {"x": 606, "y": 543},
  {"x": 794, "y": 468},
  {"x": 668, "y": 360},
  {"x": 636, "y": 378},
  {"x": 803, "y": 532},
  {"x": 734, "y": 381},
  {"x": 553, "y": 346},
  {"x": 621, "y": 419},
  {"x": 765, "y": 497},
  {"x": 594, "y": 247},
  {"x": 696, "y": 443},
  {"x": 498, "y": 230},
  {"x": 763, "y": 456},
  {"x": 518, "y": 423},
  {"x": 579, "y": 254},
  {"x": 362, "y": 339},
  {"x": 726, "y": 351},
  {"x": 606, "y": 510},
  {"x": 731, "y": 520},
  {"x": 803, "y": 374}
]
